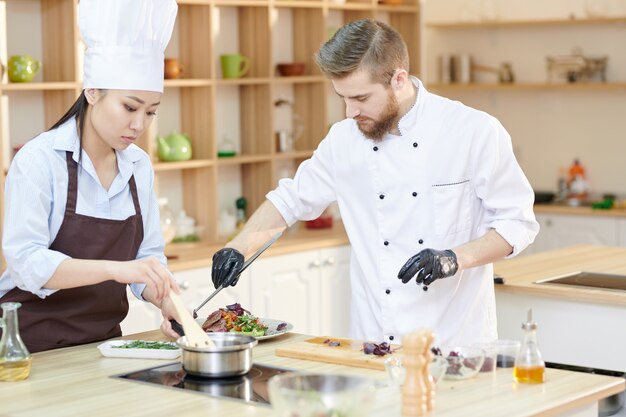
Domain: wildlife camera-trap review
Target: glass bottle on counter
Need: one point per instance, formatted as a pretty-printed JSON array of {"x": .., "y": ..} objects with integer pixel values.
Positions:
[
  {"x": 15, "y": 359},
  {"x": 168, "y": 223},
  {"x": 529, "y": 367},
  {"x": 241, "y": 204}
]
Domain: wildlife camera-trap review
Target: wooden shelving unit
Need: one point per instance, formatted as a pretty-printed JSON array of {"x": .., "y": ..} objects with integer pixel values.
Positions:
[
  {"x": 619, "y": 21},
  {"x": 591, "y": 86},
  {"x": 199, "y": 88},
  {"x": 526, "y": 23}
]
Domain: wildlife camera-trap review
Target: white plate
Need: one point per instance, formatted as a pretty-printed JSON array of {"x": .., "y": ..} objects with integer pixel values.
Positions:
[
  {"x": 107, "y": 349},
  {"x": 271, "y": 327}
]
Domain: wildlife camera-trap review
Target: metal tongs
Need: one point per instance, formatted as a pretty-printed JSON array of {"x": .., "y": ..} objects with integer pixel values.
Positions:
[{"x": 178, "y": 328}]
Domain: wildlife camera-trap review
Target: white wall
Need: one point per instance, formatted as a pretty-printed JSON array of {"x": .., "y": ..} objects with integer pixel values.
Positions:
[{"x": 549, "y": 128}]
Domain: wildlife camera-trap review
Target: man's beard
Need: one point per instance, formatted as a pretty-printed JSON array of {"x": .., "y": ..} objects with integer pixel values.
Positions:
[{"x": 387, "y": 120}]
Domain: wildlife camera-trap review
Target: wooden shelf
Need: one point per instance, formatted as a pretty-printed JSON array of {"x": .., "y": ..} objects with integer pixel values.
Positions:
[
  {"x": 60, "y": 85},
  {"x": 350, "y": 6},
  {"x": 243, "y": 81},
  {"x": 401, "y": 8},
  {"x": 300, "y": 79},
  {"x": 192, "y": 2},
  {"x": 298, "y": 4},
  {"x": 527, "y": 23},
  {"x": 241, "y": 3},
  {"x": 293, "y": 155},
  {"x": 181, "y": 82},
  {"x": 529, "y": 87},
  {"x": 243, "y": 159},
  {"x": 174, "y": 166}
]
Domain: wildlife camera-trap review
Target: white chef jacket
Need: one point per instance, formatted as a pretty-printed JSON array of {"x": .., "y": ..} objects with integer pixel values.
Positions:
[
  {"x": 36, "y": 194},
  {"x": 449, "y": 178}
]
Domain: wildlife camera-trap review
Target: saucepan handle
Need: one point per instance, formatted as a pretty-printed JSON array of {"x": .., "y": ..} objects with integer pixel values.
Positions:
[{"x": 176, "y": 326}]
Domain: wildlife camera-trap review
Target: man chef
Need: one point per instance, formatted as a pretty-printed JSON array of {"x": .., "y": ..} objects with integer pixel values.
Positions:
[{"x": 428, "y": 189}]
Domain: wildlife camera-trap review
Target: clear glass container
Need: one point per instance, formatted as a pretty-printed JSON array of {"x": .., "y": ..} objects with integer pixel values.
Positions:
[
  {"x": 15, "y": 359},
  {"x": 529, "y": 367},
  {"x": 168, "y": 222}
]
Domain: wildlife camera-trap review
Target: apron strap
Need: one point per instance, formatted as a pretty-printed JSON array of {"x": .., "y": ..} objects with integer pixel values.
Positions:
[
  {"x": 133, "y": 192},
  {"x": 72, "y": 186}
]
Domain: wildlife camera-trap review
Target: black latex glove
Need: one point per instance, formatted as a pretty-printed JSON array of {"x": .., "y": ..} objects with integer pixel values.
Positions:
[
  {"x": 227, "y": 264},
  {"x": 429, "y": 265}
]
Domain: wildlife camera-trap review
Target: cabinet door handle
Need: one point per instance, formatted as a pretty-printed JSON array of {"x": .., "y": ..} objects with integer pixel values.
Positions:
[
  {"x": 184, "y": 285},
  {"x": 314, "y": 264},
  {"x": 549, "y": 222},
  {"x": 329, "y": 261}
]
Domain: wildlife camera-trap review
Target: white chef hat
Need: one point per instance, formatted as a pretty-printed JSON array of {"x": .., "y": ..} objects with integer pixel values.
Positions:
[{"x": 125, "y": 42}]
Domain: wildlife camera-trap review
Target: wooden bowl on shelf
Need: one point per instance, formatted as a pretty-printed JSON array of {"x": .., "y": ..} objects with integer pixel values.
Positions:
[{"x": 290, "y": 69}]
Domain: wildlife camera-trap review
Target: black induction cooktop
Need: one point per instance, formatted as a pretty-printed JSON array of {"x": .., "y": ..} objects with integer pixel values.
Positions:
[{"x": 249, "y": 388}]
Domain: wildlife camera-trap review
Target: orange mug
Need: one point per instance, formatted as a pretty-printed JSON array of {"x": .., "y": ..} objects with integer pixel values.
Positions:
[{"x": 173, "y": 69}]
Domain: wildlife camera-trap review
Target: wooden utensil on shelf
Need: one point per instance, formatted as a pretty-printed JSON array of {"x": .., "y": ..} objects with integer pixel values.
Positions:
[{"x": 195, "y": 335}]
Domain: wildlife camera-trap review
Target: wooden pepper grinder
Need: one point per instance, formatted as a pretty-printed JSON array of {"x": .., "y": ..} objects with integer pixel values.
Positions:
[
  {"x": 415, "y": 395},
  {"x": 428, "y": 379}
]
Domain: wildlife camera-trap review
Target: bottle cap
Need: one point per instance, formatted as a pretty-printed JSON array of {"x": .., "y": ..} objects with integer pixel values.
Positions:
[{"x": 529, "y": 324}]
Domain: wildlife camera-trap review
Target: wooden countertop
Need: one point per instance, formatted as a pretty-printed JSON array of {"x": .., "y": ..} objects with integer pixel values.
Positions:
[
  {"x": 183, "y": 256},
  {"x": 520, "y": 273},
  {"x": 297, "y": 238},
  {"x": 578, "y": 211},
  {"x": 76, "y": 382}
]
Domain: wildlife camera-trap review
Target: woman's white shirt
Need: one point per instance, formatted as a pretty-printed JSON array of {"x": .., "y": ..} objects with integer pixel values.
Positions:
[
  {"x": 448, "y": 179},
  {"x": 35, "y": 199}
]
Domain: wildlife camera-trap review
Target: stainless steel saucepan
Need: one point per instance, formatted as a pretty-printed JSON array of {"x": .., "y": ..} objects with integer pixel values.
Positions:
[{"x": 231, "y": 356}]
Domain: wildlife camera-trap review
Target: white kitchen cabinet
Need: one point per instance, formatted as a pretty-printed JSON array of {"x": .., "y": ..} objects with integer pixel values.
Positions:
[
  {"x": 621, "y": 238},
  {"x": 335, "y": 292},
  {"x": 142, "y": 316},
  {"x": 310, "y": 289},
  {"x": 558, "y": 231},
  {"x": 569, "y": 332}
]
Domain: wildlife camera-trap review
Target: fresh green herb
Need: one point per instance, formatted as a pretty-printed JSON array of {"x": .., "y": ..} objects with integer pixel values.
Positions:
[
  {"x": 250, "y": 325},
  {"x": 144, "y": 344}
]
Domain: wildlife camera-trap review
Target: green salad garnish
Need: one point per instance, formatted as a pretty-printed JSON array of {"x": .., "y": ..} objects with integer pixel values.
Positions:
[
  {"x": 145, "y": 344},
  {"x": 250, "y": 325}
]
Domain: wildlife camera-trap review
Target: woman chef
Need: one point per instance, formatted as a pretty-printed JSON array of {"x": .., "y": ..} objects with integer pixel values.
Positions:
[{"x": 82, "y": 219}]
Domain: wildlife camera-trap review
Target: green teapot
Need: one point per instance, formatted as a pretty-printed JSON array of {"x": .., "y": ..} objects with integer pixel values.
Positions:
[
  {"x": 22, "y": 68},
  {"x": 173, "y": 148}
]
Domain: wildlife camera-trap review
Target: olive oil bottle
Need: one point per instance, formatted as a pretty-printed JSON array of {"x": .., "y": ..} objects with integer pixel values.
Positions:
[
  {"x": 15, "y": 359},
  {"x": 529, "y": 367}
]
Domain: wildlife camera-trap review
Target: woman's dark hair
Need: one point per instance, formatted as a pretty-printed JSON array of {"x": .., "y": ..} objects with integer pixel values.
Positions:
[{"x": 77, "y": 111}]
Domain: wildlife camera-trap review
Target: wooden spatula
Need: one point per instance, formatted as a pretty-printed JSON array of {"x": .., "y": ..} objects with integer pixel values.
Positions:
[{"x": 195, "y": 335}]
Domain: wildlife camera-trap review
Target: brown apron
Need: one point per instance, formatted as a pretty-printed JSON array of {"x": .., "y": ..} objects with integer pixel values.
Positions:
[{"x": 86, "y": 314}]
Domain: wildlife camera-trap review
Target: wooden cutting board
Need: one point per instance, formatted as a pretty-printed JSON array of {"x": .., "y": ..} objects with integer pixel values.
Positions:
[{"x": 349, "y": 352}]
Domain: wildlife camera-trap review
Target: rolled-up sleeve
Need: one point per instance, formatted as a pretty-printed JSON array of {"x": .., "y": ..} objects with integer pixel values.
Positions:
[
  {"x": 506, "y": 194},
  {"x": 26, "y": 238},
  {"x": 310, "y": 191}
]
